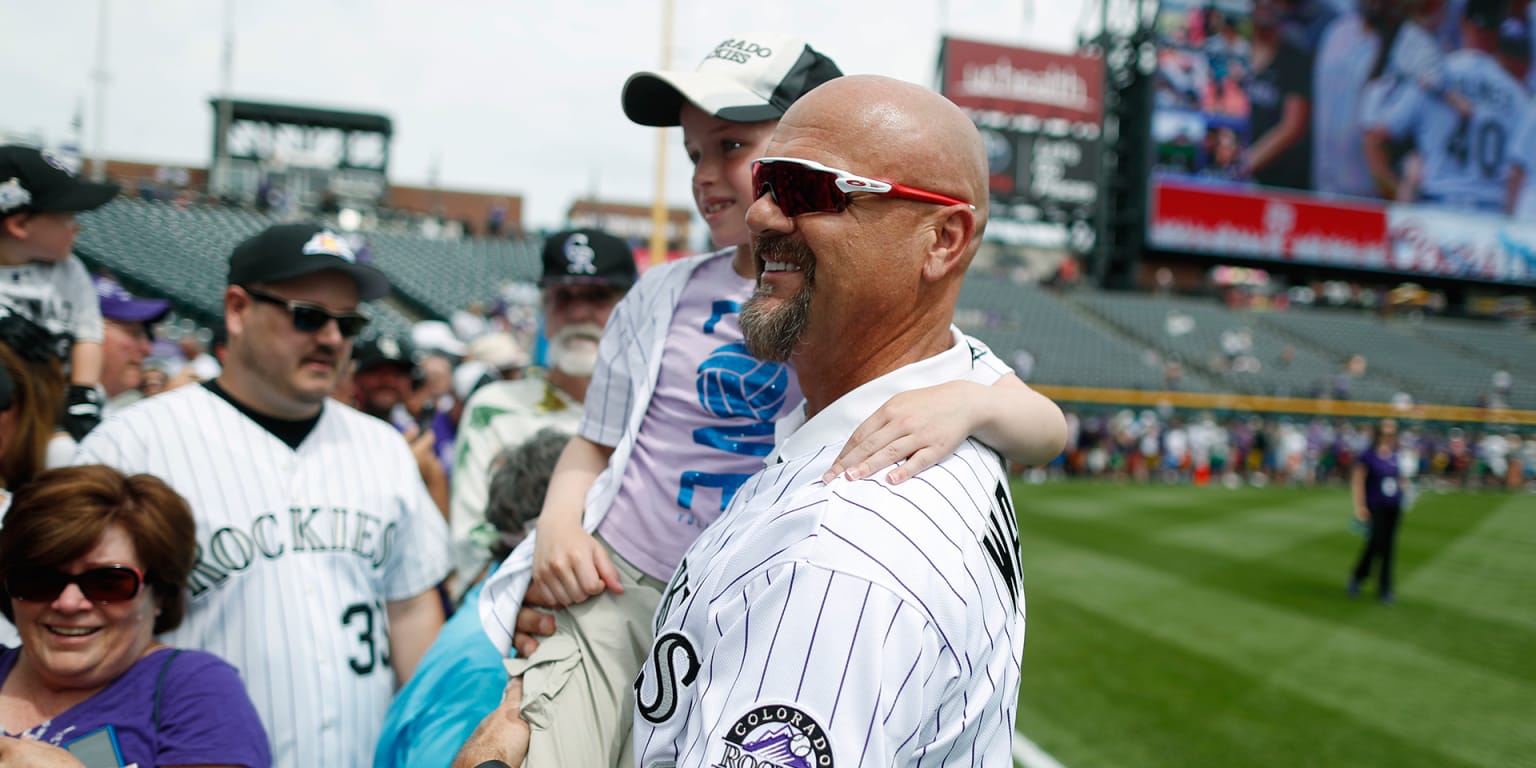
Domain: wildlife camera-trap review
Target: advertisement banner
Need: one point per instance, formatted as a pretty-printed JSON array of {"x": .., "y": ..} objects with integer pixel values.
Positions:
[
  {"x": 1238, "y": 222},
  {"x": 1409, "y": 239},
  {"x": 1432, "y": 241},
  {"x": 1040, "y": 114},
  {"x": 1056, "y": 175},
  {"x": 1020, "y": 81}
]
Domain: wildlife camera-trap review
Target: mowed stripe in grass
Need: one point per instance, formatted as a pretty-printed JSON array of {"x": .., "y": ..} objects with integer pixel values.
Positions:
[{"x": 1184, "y": 626}]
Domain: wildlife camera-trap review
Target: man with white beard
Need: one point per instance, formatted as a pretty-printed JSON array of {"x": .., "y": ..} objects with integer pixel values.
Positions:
[{"x": 586, "y": 272}]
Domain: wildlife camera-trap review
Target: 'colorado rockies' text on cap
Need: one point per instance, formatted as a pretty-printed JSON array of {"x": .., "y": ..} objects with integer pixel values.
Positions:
[
  {"x": 742, "y": 80},
  {"x": 588, "y": 257},
  {"x": 286, "y": 251}
]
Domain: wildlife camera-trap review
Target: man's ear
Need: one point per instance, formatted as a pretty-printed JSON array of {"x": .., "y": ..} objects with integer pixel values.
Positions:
[
  {"x": 236, "y": 301},
  {"x": 953, "y": 230},
  {"x": 15, "y": 225}
]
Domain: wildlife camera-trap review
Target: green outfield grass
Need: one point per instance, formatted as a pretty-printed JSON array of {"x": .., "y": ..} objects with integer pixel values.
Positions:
[{"x": 1209, "y": 627}]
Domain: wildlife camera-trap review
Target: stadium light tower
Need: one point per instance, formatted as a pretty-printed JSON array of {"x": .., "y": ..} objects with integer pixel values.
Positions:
[
  {"x": 219, "y": 184},
  {"x": 98, "y": 143}
]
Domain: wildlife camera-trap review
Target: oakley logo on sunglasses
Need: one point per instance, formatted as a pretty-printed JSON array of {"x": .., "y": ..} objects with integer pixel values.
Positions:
[
  {"x": 106, "y": 584},
  {"x": 309, "y": 318},
  {"x": 803, "y": 186}
]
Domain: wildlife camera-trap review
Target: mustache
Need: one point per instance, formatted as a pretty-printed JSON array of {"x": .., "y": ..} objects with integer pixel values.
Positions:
[
  {"x": 786, "y": 249},
  {"x": 326, "y": 353},
  {"x": 578, "y": 330}
]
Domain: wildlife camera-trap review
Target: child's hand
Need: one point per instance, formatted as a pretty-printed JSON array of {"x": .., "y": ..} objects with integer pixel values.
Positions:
[
  {"x": 570, "y": 565},
  {"x": 921, "y": 426}
]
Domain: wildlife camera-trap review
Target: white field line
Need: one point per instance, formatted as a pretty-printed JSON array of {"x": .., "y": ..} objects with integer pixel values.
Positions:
[{"x": 1028, "y": 754}]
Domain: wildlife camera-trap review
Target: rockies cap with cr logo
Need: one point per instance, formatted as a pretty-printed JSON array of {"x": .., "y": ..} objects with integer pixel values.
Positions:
[
  {"x": 744, "y": 79},
  {"x": 588, "y": 257},
  {"x": 35, "y": 181}
]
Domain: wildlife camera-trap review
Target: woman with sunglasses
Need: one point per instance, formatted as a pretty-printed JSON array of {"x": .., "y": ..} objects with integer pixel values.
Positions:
[
  {"x": 663, "y": 448},
  {"x": 95, "y": 564}
]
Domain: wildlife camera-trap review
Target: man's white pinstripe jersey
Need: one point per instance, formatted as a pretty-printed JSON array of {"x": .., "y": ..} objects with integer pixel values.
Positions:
[
  {"x": 1466, "y": 157},
  {"x": 499, "y": 415},
  {"x": 846, "y": 623},
  {"x": 298, "y": 553}
]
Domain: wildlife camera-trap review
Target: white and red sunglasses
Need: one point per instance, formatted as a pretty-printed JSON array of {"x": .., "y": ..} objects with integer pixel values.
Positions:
[{"x": 801, "y": 186}]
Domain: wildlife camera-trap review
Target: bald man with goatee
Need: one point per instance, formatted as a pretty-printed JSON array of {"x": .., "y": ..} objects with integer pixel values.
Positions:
[{"x": 851, "y": 622}]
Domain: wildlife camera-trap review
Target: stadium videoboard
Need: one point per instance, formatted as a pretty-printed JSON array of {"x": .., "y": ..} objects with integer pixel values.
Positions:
[
  {"x": 1268, "y": 116},
  {"x": 1040, "y": 114}
]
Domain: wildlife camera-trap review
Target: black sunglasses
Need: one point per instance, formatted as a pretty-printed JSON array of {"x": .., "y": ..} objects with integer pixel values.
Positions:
[
  {"x": 309, "y": 318},
  {"x": 106, "y": 584}
]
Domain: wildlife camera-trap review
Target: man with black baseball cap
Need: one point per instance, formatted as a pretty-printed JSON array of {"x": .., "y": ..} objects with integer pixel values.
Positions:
[
  {"x": 586, "y": 272},
  {"x": 381, "y": 374},
  {"x": 40, "y": 277},
  {"x": 341, "y": 542}
]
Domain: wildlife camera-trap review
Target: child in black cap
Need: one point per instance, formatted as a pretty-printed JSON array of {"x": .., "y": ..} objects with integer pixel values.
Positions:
[{"x": 40, "y": 277}]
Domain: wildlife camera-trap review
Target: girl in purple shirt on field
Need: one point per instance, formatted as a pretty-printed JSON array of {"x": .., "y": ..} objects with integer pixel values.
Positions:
[{"x": 1378, "y": 485}]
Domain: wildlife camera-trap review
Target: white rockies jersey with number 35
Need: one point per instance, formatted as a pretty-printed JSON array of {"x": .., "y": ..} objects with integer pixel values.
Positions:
[{"x": 845, "y": 624}]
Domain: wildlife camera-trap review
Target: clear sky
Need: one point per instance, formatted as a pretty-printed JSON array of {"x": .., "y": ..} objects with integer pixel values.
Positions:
[{"x": 504, "y": 95}]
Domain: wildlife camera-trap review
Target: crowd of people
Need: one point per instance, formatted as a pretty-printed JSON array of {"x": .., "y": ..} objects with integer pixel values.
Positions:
[
  {"x": 329, "y": 530},
  {"x": 1234, "y": 449},
  {"x": 612, "y": 544}
]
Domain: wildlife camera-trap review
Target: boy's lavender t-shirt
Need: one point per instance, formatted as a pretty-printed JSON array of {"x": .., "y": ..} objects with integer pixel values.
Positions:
[
  {"x": 206, "y": 718},
  {"x": 707, "y": 429}
]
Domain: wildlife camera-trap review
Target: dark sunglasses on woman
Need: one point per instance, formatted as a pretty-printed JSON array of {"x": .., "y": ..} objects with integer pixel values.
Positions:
[{"x": 104, "y": 584}]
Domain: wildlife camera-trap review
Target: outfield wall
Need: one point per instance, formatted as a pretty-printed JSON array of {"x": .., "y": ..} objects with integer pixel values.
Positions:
[{"x": 1296, "y": 405}]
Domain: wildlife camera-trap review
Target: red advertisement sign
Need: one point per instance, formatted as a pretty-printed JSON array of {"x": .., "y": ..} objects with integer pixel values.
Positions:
[
  {"x": 1237, "y": 222},
  {"x": 1226, "y": 220},
  {"x": 1021, "y": 81}
]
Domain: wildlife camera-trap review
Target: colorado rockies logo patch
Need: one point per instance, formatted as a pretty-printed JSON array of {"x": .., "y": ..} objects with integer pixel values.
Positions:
[{"x": 776, "y": 736}]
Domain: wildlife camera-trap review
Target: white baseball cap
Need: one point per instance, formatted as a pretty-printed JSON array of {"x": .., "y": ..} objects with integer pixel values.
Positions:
[
  {"x": 744, "y": 79},
  {"x": 499, "y": 350},
  {"x": 436, "y": 336}
]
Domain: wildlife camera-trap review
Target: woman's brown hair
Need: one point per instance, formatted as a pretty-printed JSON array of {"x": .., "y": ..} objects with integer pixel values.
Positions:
[
  {"x": 37, "y": 401},
  {"x": 63, "y": 513}
]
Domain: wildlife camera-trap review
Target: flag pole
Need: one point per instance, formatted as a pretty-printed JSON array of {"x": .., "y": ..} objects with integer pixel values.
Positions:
[{"x": 659, "y": 219}]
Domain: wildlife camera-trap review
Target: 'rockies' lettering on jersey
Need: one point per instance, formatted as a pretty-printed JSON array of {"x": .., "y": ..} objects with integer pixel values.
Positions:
[{"x": 317, "y": 530}]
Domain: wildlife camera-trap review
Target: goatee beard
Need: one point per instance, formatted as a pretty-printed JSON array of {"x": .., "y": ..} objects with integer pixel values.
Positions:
[{"x": 772, "y": 333}]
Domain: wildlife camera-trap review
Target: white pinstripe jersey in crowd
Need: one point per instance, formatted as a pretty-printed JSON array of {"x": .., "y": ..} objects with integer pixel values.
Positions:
[
  {"x": 299, "y": 551},
  {"x": 846, "y": 624}
]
